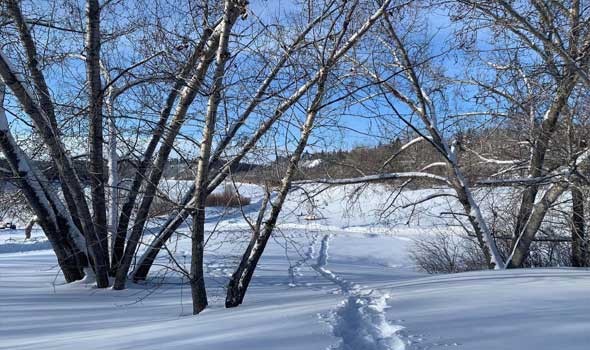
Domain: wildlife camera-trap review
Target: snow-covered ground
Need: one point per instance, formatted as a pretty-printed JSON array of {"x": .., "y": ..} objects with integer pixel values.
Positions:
[{"x": 341, "y": 281}]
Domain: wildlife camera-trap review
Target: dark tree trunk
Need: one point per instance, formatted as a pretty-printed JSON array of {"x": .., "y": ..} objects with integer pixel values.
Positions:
[
  {"x": 240, "y": 279},
  {"x": 198, "y": 290},
  {"x": 95, "y": 130},
  {"x": 146, "y": 161},
  {"x": 63, "y": 163},
  {"x": 579, "y": 244}
]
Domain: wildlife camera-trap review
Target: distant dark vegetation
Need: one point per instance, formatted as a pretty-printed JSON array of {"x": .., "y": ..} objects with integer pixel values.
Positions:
[{"x": 498, "y": 143}]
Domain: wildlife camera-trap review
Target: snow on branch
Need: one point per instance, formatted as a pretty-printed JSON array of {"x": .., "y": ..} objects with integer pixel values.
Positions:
[
  {"x": 525, "y": 181},
  {"x": 428, "y": 198},
  {"x": 434, "y": 165},
  {"x": 495, "y": 161},
  {"x": 374, "y": 178},
  {"x": 405, "y": 147}
]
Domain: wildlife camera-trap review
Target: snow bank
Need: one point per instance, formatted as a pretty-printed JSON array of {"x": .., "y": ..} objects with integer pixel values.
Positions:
[
  {"x": 345, "y": 266},
  {"x": 311, "y": 163},
  {"x": 16, "y": 247},
  {"x": 540, "y": 309}
]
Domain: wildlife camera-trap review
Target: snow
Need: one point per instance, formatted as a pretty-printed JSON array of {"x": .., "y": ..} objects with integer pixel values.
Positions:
[
  {"x": 360, "y": 320},
  {"x": 13, "y": 241},
  {"x": 509, "y": 309},
  {"x": 24, "y": 246},
  {"x": 342, "y": 282},
  {"x": 311, "y": 163},
  {"x": 361, "y": 323}
]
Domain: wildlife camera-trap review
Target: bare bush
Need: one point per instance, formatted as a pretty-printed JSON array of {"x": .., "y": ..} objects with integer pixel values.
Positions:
[
  {"x": 13, "y": 206},
  {"x": 162, "y": 206},
  {"x": 447, "y": 252}
]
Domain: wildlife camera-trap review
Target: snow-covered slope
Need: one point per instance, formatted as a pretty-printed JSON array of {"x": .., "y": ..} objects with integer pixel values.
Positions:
[
  {"x": 342, "y": 281},
  {"x": 542, "y": 309}
]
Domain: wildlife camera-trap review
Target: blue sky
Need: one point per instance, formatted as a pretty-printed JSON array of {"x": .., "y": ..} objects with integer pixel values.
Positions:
[{"x": 357, "y": 124}]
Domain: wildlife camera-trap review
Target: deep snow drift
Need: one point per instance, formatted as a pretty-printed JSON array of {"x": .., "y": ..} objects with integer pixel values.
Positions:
[{"x": 343, "y": 281}]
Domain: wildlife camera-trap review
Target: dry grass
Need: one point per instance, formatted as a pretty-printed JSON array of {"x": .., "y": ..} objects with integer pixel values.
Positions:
[{"x": 228, "y": 198}]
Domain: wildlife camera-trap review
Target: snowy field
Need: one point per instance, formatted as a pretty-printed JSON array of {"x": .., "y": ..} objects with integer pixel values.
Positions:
[{"x": 342, "y": 281}]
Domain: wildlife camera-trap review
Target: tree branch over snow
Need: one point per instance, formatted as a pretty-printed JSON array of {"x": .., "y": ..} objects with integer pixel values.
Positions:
[{"x": 374, "y": 178}]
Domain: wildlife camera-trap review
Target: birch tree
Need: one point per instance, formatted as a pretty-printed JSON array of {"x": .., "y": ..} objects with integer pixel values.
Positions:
[
  {"x": 68, "y": 243},
  {"x": 40, "y": 109},
  {"x": 556, "y": 35},
  {"x": 262, "y": 231},
  {"x": 217, "y": 177}
]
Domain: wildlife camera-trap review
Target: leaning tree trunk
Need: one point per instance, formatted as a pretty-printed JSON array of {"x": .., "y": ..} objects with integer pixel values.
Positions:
[
  {"x": 146, "y": 261},
  {"x": 68, "y": 255},
  {"x": 240, "y": 279},
  {"x": 68, "y": 252},
  {"x": 40, "y": 108},
  {"x": 187, "y": 96},
  {"x": 120, "y": 232},
  {"x": 63, "y": 164},
  {"x": 522, "y": 243},
  {"x": 175, "y": 220},
  {"x": 537, "y": 161},
  {"x": 219, "y": 176},
  {"x": 424, "y": 109}
]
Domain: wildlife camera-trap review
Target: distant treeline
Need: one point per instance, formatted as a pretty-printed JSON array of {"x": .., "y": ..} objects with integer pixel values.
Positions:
[{"x": 477, "y": 149}]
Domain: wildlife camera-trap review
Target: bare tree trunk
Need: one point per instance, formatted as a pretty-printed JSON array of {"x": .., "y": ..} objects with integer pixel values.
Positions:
[
  {"x": 144, "y": 263},
  {"x": 68, "y": 252},
  {"x": 113, "y": 182},
  {"x": 41, "y": 90},
  {"x": 579, "y": 243},
  {"x": 523, "y": 241},
  {"x": 95, "y": 128},
  {"x": 155, "y": 176},
  {"x": 197, "y": 276},
  {"x": 539, "y": 151},
  {"x": 572, "y": 73},
  {"x": 187, "y": 96},
  {"x": 176, "y": 219},
  {"x": 143, "y": 167},
  {"x": 424, "y": 109},
  {"x": 29, "y": 227},
  {"x": 68, "y": 256},
  {"x": 217, "y": 178},
  {"x": 240, "y": 280},
  {"x": 482, "y": 232},
  {"x": 73, "y": 192}
]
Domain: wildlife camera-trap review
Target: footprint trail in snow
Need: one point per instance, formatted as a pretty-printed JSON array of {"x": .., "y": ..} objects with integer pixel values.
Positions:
[{"x": 359, "y": 321}]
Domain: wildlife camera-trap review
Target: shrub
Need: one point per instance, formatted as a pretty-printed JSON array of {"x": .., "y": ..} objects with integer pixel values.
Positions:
[
  {"x": 229, "y": 197},
  {"x": 447, "y": 252},
  {"x": 162, "y": 206}
]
